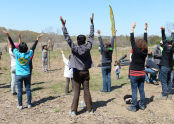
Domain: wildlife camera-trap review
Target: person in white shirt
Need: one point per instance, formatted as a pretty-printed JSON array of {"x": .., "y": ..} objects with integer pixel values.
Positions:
[
  {"x": 117, "y": 70},
  {"x": 68, "y": 73},
  {"x": 13, "y": 65}
]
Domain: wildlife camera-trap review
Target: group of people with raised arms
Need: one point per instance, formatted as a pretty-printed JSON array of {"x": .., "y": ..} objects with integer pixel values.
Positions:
[{"x": 80, "y": 61}]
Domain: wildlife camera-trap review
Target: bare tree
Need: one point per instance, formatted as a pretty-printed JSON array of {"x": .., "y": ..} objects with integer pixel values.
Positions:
[
  {"x": 52, "y": 36},
  {"x": 169, "y": 27}
]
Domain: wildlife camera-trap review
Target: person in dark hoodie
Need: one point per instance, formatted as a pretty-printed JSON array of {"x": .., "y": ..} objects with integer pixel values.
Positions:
[
  {"x": 172, "y": 73},
  {"x": 23, "y": 57},
  {"x": 137, "y": 69},
  {"x": 106, "y": 52},
  {"x": 80, "y": 62},
  {"x": 166, "y": 67},
  {"x": 152, "y": 69}
]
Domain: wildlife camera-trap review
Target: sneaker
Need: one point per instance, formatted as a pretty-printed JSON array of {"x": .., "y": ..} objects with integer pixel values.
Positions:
[
  {"x": 19, "y": 107},
  {"x": 131, "y": 108},
  {"x": 147, "y": 82},
  {"x": 161, "y": 97},
  {"x": 169, "y": 97},
  {"x": 142, "y": 107},
  {"x": 155, "y": 83},
  {"x": 91, "y": 112},
  {"x": 29, "y": 106},
  {"x": 14, "y": 93},
  {"x": 104, "y": 91},
  {"x": 72, "y": 113}
]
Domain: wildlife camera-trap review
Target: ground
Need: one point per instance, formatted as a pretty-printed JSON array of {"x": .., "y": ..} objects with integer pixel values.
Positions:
[{"x": 52, "y": 105}]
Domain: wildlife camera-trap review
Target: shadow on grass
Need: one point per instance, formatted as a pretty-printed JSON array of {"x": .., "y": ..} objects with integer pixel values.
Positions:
[
  {"x": 43, "y": 100},
  {"x": 34, "y": 89},
  {"x": 5, "y": 86},
  {"x": 99, "y": 104},
  {"x": 57, "y": 69},
  {"x": 117, "y": 87},
  {"x": 37, "y": 83},
  {"x": 96, "y": 105},
  {"x": 149, "y": 100}
]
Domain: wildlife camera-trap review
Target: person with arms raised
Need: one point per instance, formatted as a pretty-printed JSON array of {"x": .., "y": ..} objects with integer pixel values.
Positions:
[{"x": 80, "y": 62}]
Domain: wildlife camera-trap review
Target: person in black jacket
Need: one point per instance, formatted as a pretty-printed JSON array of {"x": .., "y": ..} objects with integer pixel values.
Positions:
[
  {"x": 80, "y": 62},
  {"x": 166, "y": 64},
  {"x": 106, "y": 52},
  {"x": 137, "y": 69},
  {"x": 23, "y": 57}
]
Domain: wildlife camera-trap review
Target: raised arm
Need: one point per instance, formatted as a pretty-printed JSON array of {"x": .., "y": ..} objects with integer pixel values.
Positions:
[
  {"x": 132, "y": 39},
  {"x": 66, "y": 34},
  {"x": 65, "y": 60},
  {"x": 145, "y": 32},
  {"x": 9, "y": 44},
  {"x": 9, "y": 39},
  {"x": 35, "y": 43},
  {"x": 48, "y": 44},
  {"x": 100, "y": 39},
  {"x": 163, "y": 34},
  {"x": 19, "y": 35}
]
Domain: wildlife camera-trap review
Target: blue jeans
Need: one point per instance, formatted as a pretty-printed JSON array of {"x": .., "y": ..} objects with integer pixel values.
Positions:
[
  {"x": 152, "y": 75},
  {"x": 27, "y": 82},
  {"x": 137, "y": 82},
  {"x": 165, "y": 75},
  {"x": 106, "y": 74},
  {"x": 117, "y": 75},
  {"x": 13, "y": 81}
]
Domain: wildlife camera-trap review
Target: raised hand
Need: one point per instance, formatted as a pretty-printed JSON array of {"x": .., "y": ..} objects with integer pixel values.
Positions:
[
  {"x": 115, "y": 32},
  {"x": 48, "y": 41},
  {"x": 39, "y": 36},
  {"x": 61, "y": 51},
  {"x": 162, "y": 28},
  {"x": 63, "y": 21},
  {"x": 5, "y": 32},
  {"x": 133, "y": 27},
  {"x": 92, "y": 18},
  {"x": 98, "y": 32},
  {"x": 146, "y": 26}
]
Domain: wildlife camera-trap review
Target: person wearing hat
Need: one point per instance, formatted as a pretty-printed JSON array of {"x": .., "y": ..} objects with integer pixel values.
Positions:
[{"x": 166, "y": 67}]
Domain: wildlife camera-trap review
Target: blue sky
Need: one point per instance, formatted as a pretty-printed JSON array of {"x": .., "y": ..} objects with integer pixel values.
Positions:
[{"x": 40, "y": 15}]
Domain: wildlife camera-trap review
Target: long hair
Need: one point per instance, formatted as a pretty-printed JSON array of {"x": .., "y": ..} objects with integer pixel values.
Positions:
[{"x": 141, "y": 44}]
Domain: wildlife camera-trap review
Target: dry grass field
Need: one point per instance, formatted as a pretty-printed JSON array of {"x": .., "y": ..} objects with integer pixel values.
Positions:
[{"x": 52, "y": 106}]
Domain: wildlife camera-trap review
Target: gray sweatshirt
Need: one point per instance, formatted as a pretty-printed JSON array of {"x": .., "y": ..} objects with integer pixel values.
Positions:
[{"x": 81, "y": 57}]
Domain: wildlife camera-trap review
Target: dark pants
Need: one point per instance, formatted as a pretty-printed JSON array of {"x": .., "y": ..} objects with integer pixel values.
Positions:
[
  {"x": 106, "y": 74},
  {"x": 165, "y": 75},
  {"x": 137, "y": 82},
  {"x": 81, "y": 77},
  {"x": 27, "y": 81},
  {"x": 67, "y": 84}
]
